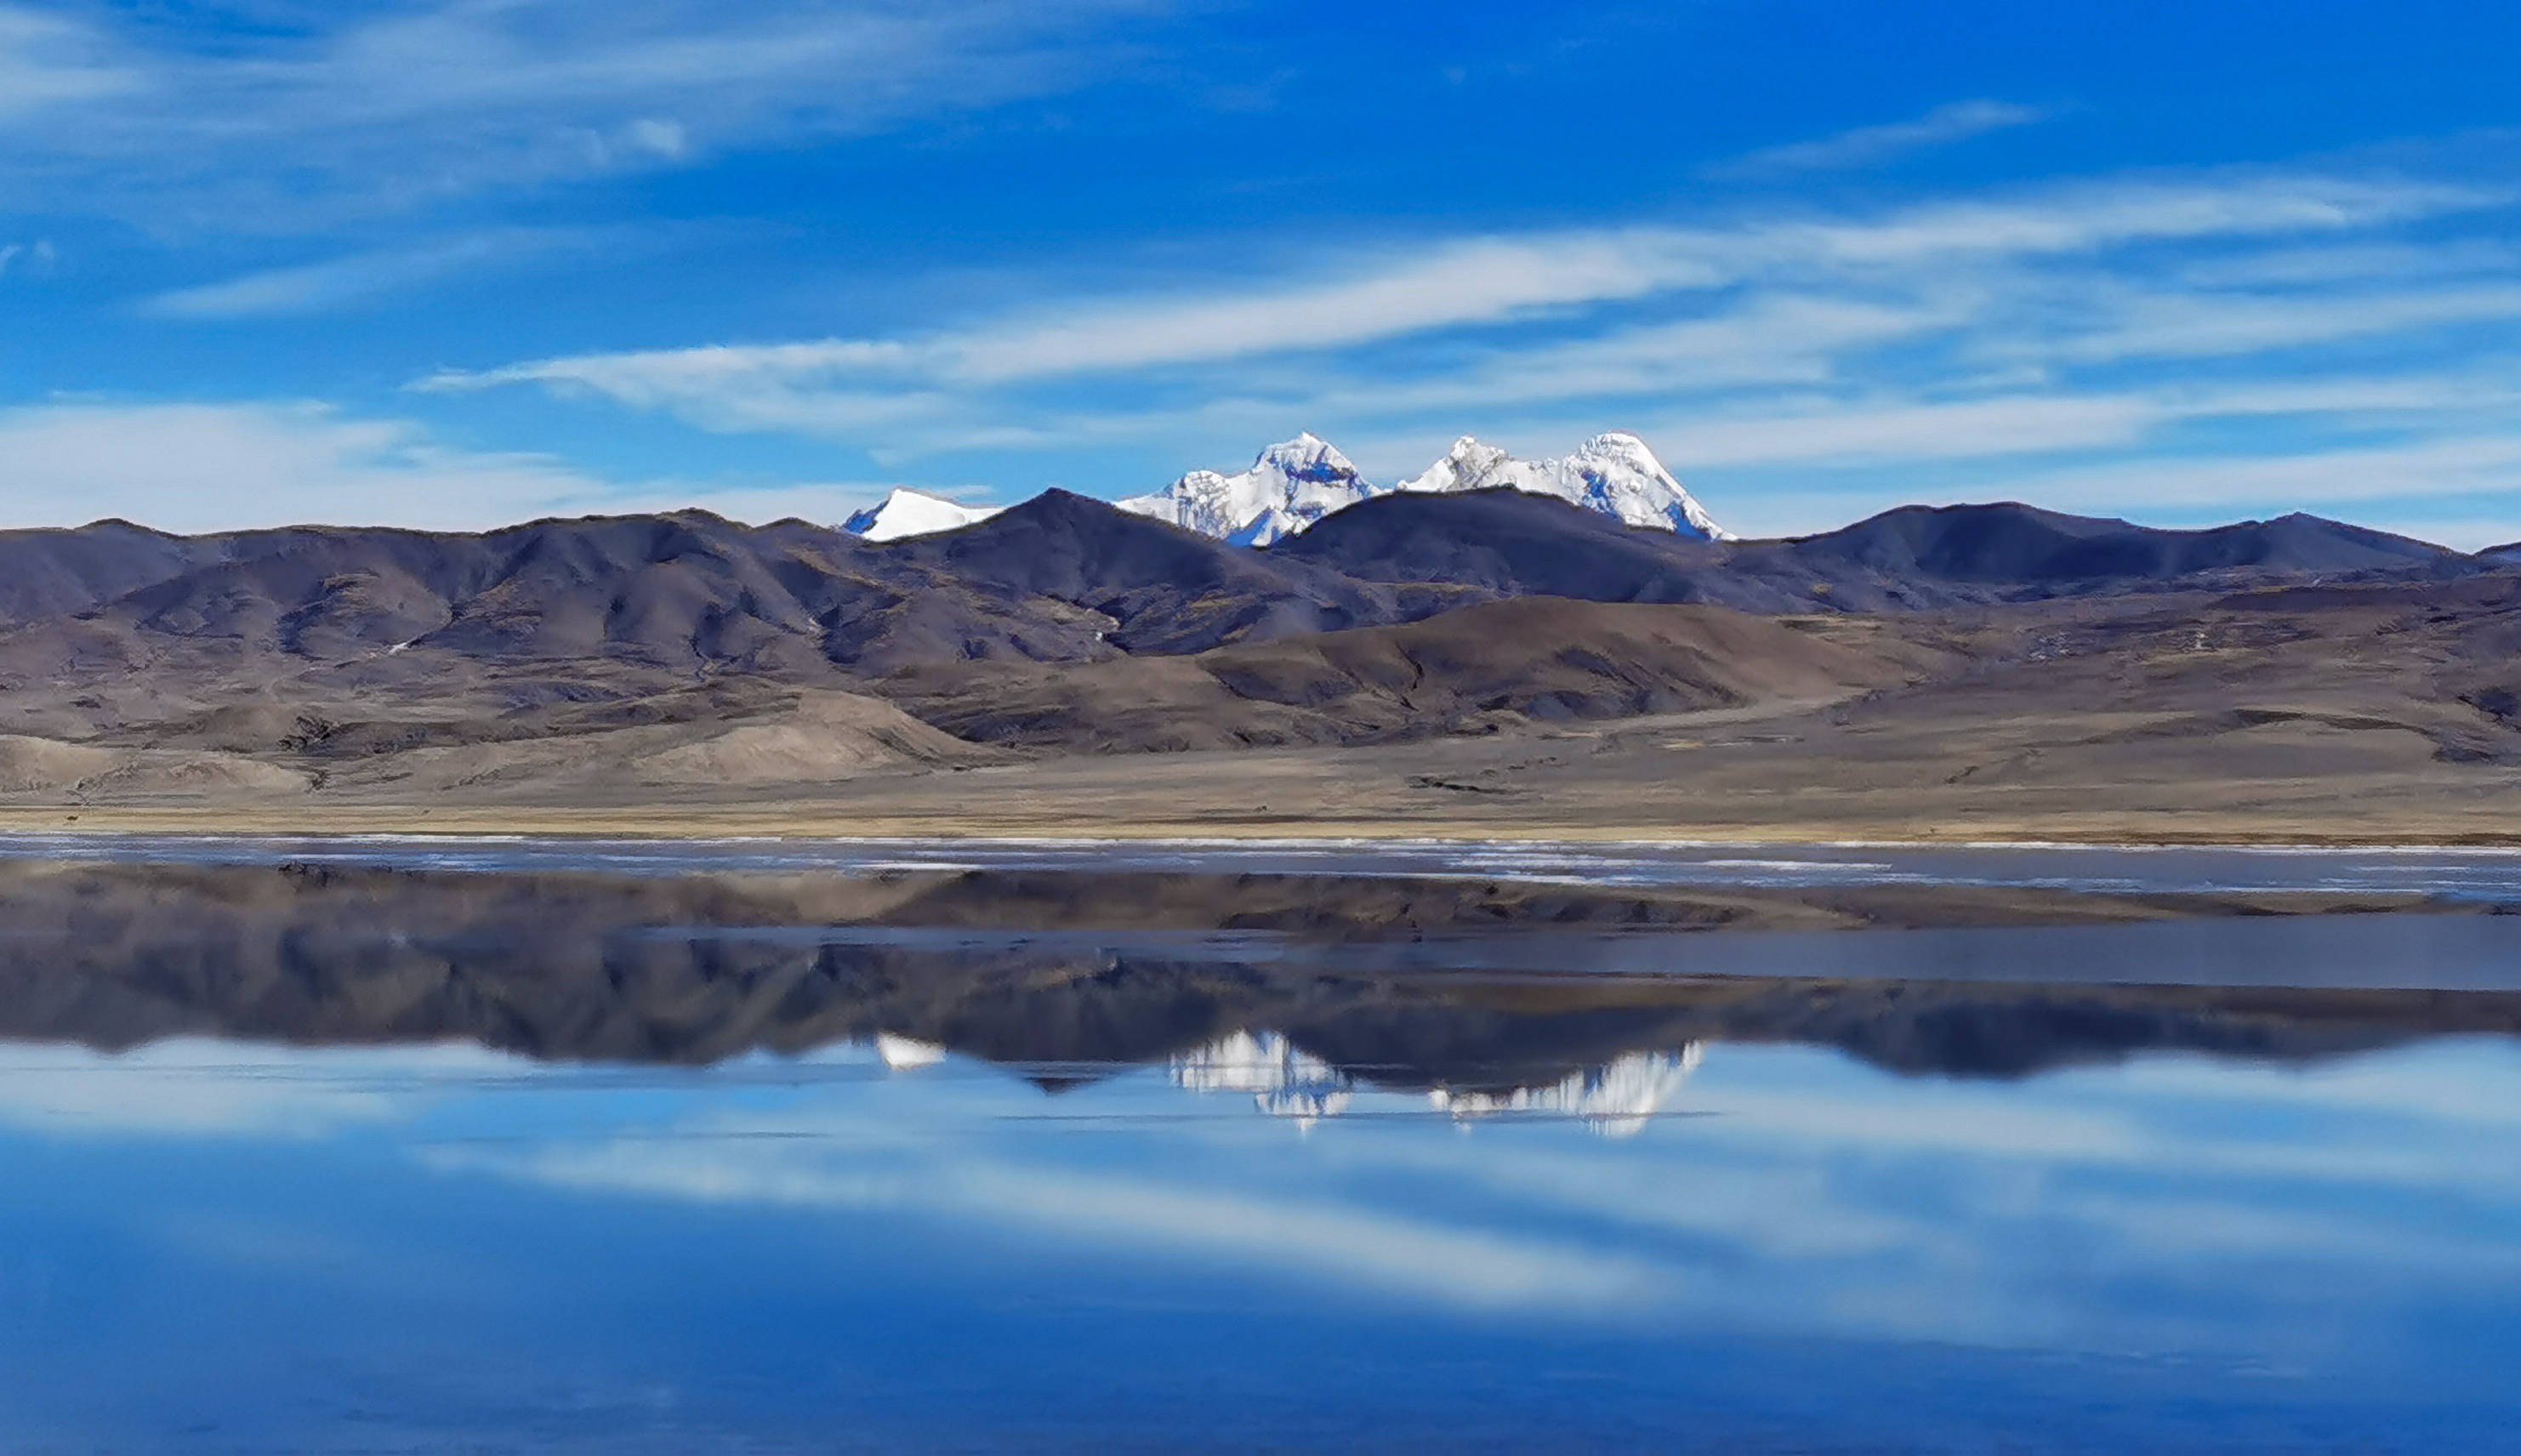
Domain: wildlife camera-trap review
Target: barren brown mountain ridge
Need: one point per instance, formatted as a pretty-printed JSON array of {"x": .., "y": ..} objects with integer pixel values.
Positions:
[{"x": 1480, "y": 663}]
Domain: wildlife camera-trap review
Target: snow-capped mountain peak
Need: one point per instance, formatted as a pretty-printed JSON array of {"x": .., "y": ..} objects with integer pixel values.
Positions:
[
  {"x": 913, "y": 513},
  {"x": 1290, "y": 485},
  {"x": 1613, "y": 472}
]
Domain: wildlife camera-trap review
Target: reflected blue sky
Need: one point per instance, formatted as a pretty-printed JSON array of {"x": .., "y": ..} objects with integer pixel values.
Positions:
[{"x": 209, "y": 1246}]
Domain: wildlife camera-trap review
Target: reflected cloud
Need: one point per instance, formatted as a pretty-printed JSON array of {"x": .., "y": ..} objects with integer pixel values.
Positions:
[
  {"x": 1010, "y": 1068},
  {"x": 2211, "y": 1205},
  {"x": 194, "y": 1087},
  {"x": 818, "y": 1162}
]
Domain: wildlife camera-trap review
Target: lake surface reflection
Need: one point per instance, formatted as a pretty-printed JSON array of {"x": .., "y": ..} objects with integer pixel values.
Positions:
[{"x": 372, "y": 1152}]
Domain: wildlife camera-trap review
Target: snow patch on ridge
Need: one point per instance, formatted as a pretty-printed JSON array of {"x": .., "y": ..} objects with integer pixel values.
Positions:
[{"x": 914, "y": 512}]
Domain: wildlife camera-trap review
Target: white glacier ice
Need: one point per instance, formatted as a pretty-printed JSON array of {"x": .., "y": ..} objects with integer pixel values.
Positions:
[
  {"x": 1613, "y": 472},
  {"x": 1291, "y": 486},
  {"x": 913, "y": 513}
]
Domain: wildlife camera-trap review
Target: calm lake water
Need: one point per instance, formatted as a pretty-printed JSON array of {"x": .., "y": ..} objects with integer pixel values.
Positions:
[{"x": 388, "y": 1146}]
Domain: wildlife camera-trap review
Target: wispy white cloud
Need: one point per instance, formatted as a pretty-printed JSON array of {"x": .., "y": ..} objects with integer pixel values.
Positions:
[
  {"x": 2425, "y": 469},
  {"x": 1780, "y": 337},
  {"x": 196, "y": 1087},
  {"x": 2081, "y": 218},
  {"x": 333, "y": 108},
  {"x": 2009, "y": 343},
  {"x": 1458, "y": 285},
  {"x": 224, "y": 466},
  {"x": 1481, "y": 281},
  {"x": 26, "y": 257},
  {"x": 1865, "y": 146},
  {"x": 2355, "y": 261},
  {"x": 1415, "y": 1256},
  {"x": 2205, "y": 324},
  {"x": 314, "y": 288},
  {"x": 49, "y": 61},
  {"x": 1959, "y": 429}
]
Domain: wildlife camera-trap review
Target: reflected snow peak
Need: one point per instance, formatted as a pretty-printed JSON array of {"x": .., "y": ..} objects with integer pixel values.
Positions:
[{"x": 1616, "y": 1100}]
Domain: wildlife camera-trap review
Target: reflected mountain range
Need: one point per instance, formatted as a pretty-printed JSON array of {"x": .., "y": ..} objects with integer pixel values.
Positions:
[
  {"x": 1296, "y": 992},
  {"x": 1616, "y": 1100}
]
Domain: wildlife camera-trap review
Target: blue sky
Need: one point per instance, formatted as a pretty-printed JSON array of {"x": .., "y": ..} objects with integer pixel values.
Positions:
[{"x": 456, "y": 263}]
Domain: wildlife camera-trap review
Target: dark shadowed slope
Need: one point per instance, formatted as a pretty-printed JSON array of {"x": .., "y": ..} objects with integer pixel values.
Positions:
[
  {"x": 1910, "y": 559},
  {"x": 48, "y": 574},
  {"x": 1516, "y": 544},
  {"x": 1511, "y": 543},
  {"x": 1163, "y": 588},
  {"x": 1060, "y": 580},
  {"x": 676, "y": 593}
]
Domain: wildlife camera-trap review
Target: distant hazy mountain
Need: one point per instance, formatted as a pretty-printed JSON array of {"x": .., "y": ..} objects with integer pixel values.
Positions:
[
  {"x": 914, "y": 512},
  {"x": 1290, "y": 485},
  {"x": 2025, "y": 548},
  {"x": 1615, "y": 474},
  {"x": 1516, "y": 544}
]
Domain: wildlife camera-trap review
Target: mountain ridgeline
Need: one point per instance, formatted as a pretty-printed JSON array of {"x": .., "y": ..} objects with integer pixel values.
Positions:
[
  {"x": 1059, "y": 578},
  {"x": 619, "y": 659},
  {"x": 1298, "y": 484}
]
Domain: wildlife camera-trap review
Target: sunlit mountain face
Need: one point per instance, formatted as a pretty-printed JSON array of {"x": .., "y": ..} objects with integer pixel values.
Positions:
[{"x": 1296, "y": 483}]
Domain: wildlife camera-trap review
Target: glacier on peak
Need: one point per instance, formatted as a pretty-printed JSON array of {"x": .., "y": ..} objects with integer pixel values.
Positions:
[
  {"x": 1613, "y": 472},
  {"x": 914, "y": 512},
  {"x": 1290, "y": 485},
  {"x": 1293, "y": 484}
]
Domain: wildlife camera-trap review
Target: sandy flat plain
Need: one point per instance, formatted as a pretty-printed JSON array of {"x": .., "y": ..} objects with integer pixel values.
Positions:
[
  {"x": 1811, "y": 774},
  {"x": 2382, "y": 715}
]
